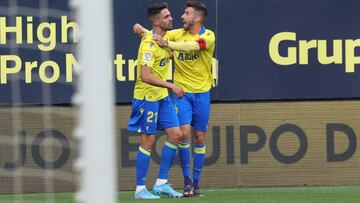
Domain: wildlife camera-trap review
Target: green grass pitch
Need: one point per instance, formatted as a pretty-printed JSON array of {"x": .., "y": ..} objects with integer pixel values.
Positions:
[{"x": 314, "y": 194}]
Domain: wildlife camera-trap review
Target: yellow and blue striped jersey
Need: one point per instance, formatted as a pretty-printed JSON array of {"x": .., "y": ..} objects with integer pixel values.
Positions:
[
  {"x": 193, "y": 69},
  {"x": 157, "y": 58}
]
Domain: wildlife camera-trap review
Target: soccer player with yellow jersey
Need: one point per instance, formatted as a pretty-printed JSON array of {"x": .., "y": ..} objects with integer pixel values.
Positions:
[
  {"x": 193, "y": 74},
  {"x": 152, "y": 109}
]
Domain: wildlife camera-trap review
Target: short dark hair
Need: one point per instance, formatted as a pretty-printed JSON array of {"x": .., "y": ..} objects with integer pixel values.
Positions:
[
  {"x": 198, "y": 6},
  {"x": 155, "y": 9}
]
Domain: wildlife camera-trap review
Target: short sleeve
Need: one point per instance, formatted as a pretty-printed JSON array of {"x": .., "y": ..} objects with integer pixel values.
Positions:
[
  {"x": 147, "y": 56},
  {"x": 209, "y": 38}
]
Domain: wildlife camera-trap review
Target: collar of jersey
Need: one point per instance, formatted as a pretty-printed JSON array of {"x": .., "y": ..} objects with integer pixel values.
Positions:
[
  {"x": 153, "y": 32},
  {"x": 202, "y": 31}
]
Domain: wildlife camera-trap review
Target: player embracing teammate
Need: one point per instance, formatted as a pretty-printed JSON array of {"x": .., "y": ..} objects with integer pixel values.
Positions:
[{"x": 193, "y": 48}]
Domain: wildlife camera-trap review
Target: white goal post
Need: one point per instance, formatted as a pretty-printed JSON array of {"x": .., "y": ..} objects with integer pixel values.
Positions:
[{"x": 95, "y": 133}]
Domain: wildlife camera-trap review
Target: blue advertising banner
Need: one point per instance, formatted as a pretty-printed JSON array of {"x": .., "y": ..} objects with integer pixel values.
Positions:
[
  {"x": 288, "y": 49},
  {"x": 265, "y": 49}
]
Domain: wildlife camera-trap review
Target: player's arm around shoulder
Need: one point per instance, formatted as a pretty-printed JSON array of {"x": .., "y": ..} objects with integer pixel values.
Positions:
[
  {"x": 171, "y": 40},
  {"x": 140, "y": 30},
  {"x": 205, "y": 41},
  {"x": 174, "y": 34},
  {"x": 176, "y": 46}
]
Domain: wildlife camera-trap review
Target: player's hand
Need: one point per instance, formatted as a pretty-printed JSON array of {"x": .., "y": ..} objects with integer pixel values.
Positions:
[
  {"x": 139, "y": 29},
  {"x": 160, "y": 41},
  {"x": 178, "y": 91}
]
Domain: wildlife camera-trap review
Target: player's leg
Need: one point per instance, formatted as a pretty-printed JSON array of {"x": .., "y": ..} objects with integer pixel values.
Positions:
[
  {"x": 201, "y": 113},
  {"x": 184, "y": 158},
  {"x": 199, "y": 159},
  {"x": 169, "y": 122},
  {"x": 184, "y": 112},
  {"x": 139, "y": 123},
  {"x": 143, "y": 157}
]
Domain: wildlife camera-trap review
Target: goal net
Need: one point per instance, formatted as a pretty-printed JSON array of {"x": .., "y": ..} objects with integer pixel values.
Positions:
[{"x": 56, "y": 103}]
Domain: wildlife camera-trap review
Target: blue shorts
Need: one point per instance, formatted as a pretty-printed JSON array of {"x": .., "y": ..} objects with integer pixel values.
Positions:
[
  {"x": 194, "y": 109},
  {"x": 149, "y": 116}
]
